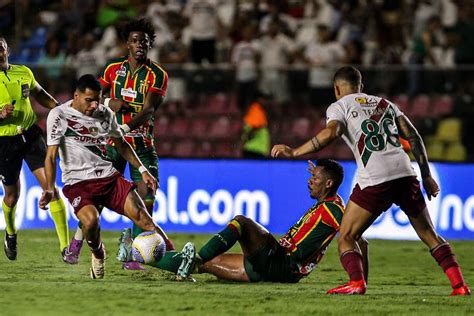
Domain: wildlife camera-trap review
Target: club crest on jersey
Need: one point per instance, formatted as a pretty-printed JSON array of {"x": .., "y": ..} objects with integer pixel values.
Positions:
[
  {"x": 122, "y": 72},
  {"x": 143, "y": 86},
  {"x": 94, "y": 131}
]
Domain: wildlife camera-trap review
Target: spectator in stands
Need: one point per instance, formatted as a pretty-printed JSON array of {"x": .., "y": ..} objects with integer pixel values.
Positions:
[
  {"x": 255, "y": 134},
  {"x": 203, "y": 27},
  {"x": 275, "y": 57},
  {"x": 89, "y": 59},
  {"x": 320, "y": 55},
  {"x": 53, "y": 60},
  {"x": 246, "y": 57}
]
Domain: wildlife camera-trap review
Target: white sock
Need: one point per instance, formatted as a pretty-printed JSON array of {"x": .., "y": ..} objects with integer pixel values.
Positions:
[{"x": 78, "y": 235}]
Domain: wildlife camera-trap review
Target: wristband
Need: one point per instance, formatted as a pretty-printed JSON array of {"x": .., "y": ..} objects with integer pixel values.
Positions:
[
  {"x": 142, "y": 169},
  {"x": 125, "y": 128},
  {"x": 106, "y": 101}
]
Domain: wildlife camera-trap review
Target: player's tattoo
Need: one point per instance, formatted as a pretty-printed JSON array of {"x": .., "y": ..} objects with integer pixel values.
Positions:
[
  {"x": 409, "y": 132},
  {"x": 316, "y": 144}
]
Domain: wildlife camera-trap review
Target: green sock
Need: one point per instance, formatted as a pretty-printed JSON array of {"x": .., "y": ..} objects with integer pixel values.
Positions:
[
  {"x": 9, "y": 213},
  {"x": 58, "y": 213},
  {"x": 169, "y": 262},
  {"x": 221, "y": 242}
]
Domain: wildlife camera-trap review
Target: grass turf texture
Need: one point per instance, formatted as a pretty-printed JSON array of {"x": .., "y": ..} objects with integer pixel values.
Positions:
[{"x": 403, "y": 279}]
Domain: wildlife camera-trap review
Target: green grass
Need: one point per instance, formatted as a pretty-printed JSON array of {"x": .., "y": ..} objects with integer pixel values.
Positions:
[{"x": 404, "y": 279}]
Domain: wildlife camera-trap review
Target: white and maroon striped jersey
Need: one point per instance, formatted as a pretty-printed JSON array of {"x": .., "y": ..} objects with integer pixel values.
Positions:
[
  {"x": 82, "y": 141},
  {"x": 371, "y": 133}
]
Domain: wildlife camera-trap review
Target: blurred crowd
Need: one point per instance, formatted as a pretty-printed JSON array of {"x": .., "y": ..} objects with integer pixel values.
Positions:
[{"x": 281, "y": 48}]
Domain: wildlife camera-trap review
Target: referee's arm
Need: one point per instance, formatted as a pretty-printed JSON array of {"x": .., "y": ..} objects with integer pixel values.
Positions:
[{"x": 43, "y": 97}]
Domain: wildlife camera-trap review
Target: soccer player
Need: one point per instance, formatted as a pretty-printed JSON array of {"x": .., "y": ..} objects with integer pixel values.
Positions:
[
  {"x": 370, "y": 126},
  {"x": 265, "y": 258},
  {"x": 136, "y": 87},
  {"x": 21, "y": 139},
  {"x": 78, "y": 130}
]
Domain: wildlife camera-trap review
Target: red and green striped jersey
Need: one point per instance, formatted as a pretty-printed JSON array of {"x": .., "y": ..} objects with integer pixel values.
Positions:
[
  {"x": 307, "y": 240},
  {"x": 132, "y": 87}
]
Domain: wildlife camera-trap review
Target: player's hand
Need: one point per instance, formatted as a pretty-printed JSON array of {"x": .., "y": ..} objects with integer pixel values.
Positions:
[
  {"x": 46, "y": 197},
  {"x": 7, "y": 111},
  {"x": 431, "y": 187},
  {"x": 118, "y": 105},
  {"x": 283, "y": 151},
  {"x": 150, "y": 181}
]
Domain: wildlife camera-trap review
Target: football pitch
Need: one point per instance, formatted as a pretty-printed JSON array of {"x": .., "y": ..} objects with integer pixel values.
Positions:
[{"x": 403, "y": 279}]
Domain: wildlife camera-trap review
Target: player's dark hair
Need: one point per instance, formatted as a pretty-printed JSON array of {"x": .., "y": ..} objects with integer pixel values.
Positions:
[
  {"x": 349, "y": 74},
  {"x": 334, "y": 171},
  {"x": 141, "y": 25},
  {"x": 88, "y": 82}
]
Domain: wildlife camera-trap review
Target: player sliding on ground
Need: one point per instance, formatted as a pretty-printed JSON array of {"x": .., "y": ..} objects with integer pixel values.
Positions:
[
  {"x": 265, "y": 258},
  {"x": 370, "y": 126},
  {"x": 78, "y": 130}
]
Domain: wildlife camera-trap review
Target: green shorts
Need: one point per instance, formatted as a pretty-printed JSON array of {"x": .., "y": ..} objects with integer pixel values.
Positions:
[
  {"x": 149, "y": 159},
  {"x": 270, "y": 263}
]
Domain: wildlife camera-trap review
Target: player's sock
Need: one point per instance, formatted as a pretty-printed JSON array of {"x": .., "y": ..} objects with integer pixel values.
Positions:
[
  {"x": 9, "y": 213},
  {"x": 58, "y": 213},
  {"x": 97, "y": 250},
  {"x": 169, "y": 262},
  {"x": 352, "y": 262},
  {"x": 136, "y": 231},
  {"x": 79, "y": 235},
  {"x": 221, "y": 242},
  {"x": 443, "y": 254}
]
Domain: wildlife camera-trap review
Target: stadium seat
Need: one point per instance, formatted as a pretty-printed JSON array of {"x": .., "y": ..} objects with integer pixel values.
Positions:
[
  {"x": 300, "y": 127},
  {"x": 420, "y": 107},
  {"x": 184, "y": 148},
  {"x": 199, "y": 127},
  {"x": 456, "y": 152},
  {"x": 164, "y": 149},
  {"x": 217, "y": 104},
  {"x": 443, "y": 105},
  {"x": 179, "y": 127},
  {"x": 227, "y": 149},
  {"x": 203, "y": 149},
  {"x": 435, "y": 150},
  {"x": 449, "y": 130},
  {"x": 220, "y": 128},
  {"x": 161, "y": 126},
  {"x": 402, "y": 102}
]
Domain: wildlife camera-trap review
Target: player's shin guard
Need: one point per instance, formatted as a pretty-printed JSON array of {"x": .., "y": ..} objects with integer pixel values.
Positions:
[
  {"x": 221, "y": 242},
  {"x": 444, "y": 256},
  {"x": 58, "y": 213},
  {"x": 9, "y": 214},
  {"x": 352, "y": 262}
]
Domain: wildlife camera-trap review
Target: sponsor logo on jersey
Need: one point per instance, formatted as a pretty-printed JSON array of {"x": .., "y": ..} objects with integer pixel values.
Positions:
[{"x": 122, "y": 72}]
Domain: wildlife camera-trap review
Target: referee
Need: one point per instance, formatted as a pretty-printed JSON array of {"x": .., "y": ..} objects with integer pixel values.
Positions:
[{"x": 21, "y": 139}]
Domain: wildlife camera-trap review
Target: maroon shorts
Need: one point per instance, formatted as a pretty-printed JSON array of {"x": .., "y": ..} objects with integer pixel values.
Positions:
[
  {"x": 110, "y": 192},
  {"x": 404, "y": 192}
]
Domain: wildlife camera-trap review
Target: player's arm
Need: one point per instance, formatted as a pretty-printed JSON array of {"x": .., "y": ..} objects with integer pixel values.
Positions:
[
  {"x": 152, "y": 102},
  {"x": 50, "y": 173},
  {"x": 115, "y": 105},
  {"x": 43, "y": 97},
  {"x": 331, "y": 132},
  {"x": 409, "y": 132},
  {"x": 129, "y": 154}
]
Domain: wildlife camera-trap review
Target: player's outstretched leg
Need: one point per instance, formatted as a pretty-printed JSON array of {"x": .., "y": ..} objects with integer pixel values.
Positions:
[{"x": 10, "y": 242}]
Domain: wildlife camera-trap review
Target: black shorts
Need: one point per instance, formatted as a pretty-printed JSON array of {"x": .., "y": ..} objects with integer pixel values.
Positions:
[
  {"x": 30, "y": 146},
  {"x": 271, "y": 263}
]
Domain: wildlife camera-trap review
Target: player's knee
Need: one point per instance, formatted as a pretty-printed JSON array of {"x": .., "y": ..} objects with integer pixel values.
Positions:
[
  {"x": 11, "y": 198},
  {"x": 90, "y": 223},
  {"x": 363, "y": 242},
  {"x": 241, "y": 219}
]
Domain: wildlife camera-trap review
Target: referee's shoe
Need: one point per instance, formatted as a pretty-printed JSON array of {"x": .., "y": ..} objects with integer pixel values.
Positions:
[{"x": 9, "y": 246}]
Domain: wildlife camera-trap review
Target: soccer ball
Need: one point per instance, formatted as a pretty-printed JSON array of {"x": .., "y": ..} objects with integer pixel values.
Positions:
[{"x": 148, "y": 247}]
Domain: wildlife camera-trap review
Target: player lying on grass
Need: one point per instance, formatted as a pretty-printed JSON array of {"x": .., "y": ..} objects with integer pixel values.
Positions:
[
  {"x": 265, "y": 258},
  {"x": 78, "y": 130}
]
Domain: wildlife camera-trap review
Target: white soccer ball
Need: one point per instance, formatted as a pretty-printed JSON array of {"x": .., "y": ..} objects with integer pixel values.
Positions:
[{"x": 148, "y": 247}]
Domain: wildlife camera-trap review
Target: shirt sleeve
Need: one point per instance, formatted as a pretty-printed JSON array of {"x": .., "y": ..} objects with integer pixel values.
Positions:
[
  {"x": 56, "y": 126},
  {"x": 160, "y": 86},
  {"x": 396, "y": 109},
  {"x": 104, "y": 78},
  {"x": 115, "y": 130},
  {"x": 335, "y": 112},
  {"x": 32, "y": 82}
]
